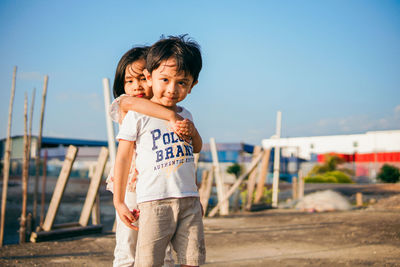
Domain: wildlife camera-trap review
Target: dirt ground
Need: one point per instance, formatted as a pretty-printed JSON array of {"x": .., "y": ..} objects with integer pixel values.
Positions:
[{"x": 369, "y": 236}]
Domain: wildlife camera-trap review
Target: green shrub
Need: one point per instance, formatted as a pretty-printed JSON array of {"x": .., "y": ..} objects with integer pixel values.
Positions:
[
  {"x": 389, "y": 174},
  {"x": 320, "y": 179},
  {"x": 341, "y": 177},
  {"x": 329, "y": 177}
]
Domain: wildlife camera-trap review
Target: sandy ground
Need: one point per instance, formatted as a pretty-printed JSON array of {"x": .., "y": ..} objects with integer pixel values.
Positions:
[{"x": 282, "y": 237}]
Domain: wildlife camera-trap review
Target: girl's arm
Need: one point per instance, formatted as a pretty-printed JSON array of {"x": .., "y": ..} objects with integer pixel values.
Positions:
[
  {"x": 121, "y": 172},
  {"x": 148, "y": 108}
]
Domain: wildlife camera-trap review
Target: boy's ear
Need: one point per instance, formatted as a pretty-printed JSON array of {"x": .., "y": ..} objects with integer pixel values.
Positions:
[
  {"x": 147, "y": 74},
  {"x": 193, "y": 84}
]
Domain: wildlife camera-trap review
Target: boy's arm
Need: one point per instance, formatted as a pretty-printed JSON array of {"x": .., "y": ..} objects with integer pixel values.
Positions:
[
  {"x": 148, "y": 108},
  {"x": 197, "y": 142},
  {"x": 121, "y": 172}
]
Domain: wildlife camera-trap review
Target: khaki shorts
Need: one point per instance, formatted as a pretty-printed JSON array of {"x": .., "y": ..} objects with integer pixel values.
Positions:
[{"x": 178, "y": 220}]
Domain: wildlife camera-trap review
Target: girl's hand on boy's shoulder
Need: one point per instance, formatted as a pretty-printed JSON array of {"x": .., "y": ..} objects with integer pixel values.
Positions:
[{"x": 127, "y": 217}]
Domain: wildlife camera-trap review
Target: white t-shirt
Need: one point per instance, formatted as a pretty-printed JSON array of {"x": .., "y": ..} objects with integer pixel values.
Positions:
[{"x": 164, "y": 162}]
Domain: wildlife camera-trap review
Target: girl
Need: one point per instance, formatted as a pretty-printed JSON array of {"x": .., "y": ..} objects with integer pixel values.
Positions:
[{"x": 132, "y": 92}]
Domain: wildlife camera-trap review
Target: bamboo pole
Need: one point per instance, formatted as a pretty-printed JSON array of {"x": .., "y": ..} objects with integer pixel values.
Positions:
[
  {"x": 275, "y": 182},
  {"x": 38, "y": 148},
  {"x": 22, "y": 228},
  {"x": 7, "y": 156},
  {"x": 30, "y": 127},
  {"x": 236, "y": 185},
  {"x": 110, "y": 125},
  {"x": 43, "y": 198}
]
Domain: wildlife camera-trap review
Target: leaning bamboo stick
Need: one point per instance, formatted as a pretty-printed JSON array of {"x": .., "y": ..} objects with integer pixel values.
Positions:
[
  {"x": 38, "y": 147},
  {"x": 22, "y": 228},
  {"x": 252, "y": 180},
  {"x": 236, "y": 185},
  {"x": 7, "y": 156}
]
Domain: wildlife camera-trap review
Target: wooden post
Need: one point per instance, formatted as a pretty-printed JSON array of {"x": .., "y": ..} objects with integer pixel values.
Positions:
[
  {"x": 275, "y": 183},
  {"x": 263, "y": 175},
  {"x": 219, "y": 181},
  {"x": 22, "y": 228},
  {"x": 60, "y": 188},
  {"x": 252, "y": 179},
  {"x": 206, "y": 186},
  {"x": 43, "y": 199},
  {"x": 359, "y": 200},
  {"x": 38, "y": 147},
  {"x": 301, "y": 186},
  {"x": 294, "y": 188},
  {"x": 7, "y": 158},
  {"x": 110, "y": 126},
  {"x": 235, "y": 185},
  {"x": 93, "y": 187},
  {"x": 96, "y": 205}
]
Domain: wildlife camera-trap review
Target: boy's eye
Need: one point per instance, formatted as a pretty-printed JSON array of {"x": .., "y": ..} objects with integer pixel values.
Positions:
[
  {"x": 165, "y": 80},
  {"x": 182, "y": 83}
]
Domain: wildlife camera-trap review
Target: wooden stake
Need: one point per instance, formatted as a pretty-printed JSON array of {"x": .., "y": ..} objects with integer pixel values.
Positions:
[
  {"x": 38, "y": 148},
  {"x": 294, "y": 188},
  {"x": 204, "y": 198},
  {"x": 252, "y": 179},
  {"x": 219, "y": 181},
  {"x": 235, "y": 185},
  {"x": 359, "y": 200},
  {"x": 22, "y": 228},
  {"x": 263, "y": 175},
  {"x": 301, "y": 186},
  {"x": 93, "y": 187},
  {"x": 96, "y": 205},
  {"x": 60, "y": 188},
  {"x": 7, "y": 157},
  {"x": 43, "y": 198}
]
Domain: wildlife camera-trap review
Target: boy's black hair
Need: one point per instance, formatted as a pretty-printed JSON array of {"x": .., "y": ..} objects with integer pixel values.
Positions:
[
  {"x": 185, "y": 51},
  {"x": 128, "y": 58}
]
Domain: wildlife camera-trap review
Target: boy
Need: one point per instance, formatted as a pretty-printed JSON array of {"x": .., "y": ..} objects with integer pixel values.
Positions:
[{"x": 167, "y": 195}]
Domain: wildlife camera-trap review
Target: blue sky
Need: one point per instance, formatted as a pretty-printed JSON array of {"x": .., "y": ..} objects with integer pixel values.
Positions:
[{"x": 331, "y": 67}]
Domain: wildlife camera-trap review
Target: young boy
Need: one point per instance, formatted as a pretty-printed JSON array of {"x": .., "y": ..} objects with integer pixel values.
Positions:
[{"x": 167, "y": 195}]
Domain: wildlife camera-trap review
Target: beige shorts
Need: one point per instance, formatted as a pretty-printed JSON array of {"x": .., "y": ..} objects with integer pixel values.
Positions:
[{"x": 175, "y": 220}]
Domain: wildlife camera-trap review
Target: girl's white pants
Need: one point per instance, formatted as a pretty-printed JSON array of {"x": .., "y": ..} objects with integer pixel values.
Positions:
[{"x": 126, "y": 239}]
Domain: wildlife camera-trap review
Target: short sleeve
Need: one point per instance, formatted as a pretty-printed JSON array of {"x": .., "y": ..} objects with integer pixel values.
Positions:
[
  {"x": 129, "y": 127},
  {"x": 115, "y": 111}
]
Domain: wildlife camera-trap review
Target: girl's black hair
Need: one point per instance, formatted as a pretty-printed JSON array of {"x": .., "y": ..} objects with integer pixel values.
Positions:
[
  {"x": 185, "y": 51},
  {"x": 128, "y": 58}
]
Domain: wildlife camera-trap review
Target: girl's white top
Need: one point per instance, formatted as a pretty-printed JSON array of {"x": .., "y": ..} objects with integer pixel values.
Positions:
[
  {"x": 115, "y": 114},
  {"x": 165, "y": 162}
]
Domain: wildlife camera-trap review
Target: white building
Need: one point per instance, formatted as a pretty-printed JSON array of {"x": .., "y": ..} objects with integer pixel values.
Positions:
[{"x": 370, "y": 142}]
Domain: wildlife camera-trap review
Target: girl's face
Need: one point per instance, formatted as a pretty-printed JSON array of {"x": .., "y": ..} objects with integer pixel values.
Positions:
[{"x": 135, "y": 81}]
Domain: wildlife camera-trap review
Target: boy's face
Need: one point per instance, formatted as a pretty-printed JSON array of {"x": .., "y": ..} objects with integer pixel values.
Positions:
[
  {"x": 135, "y": 81},
  {"x": 169, "y": 86}
]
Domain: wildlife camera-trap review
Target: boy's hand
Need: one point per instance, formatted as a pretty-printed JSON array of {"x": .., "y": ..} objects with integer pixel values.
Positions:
[{"x": 127, "y": 217}]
